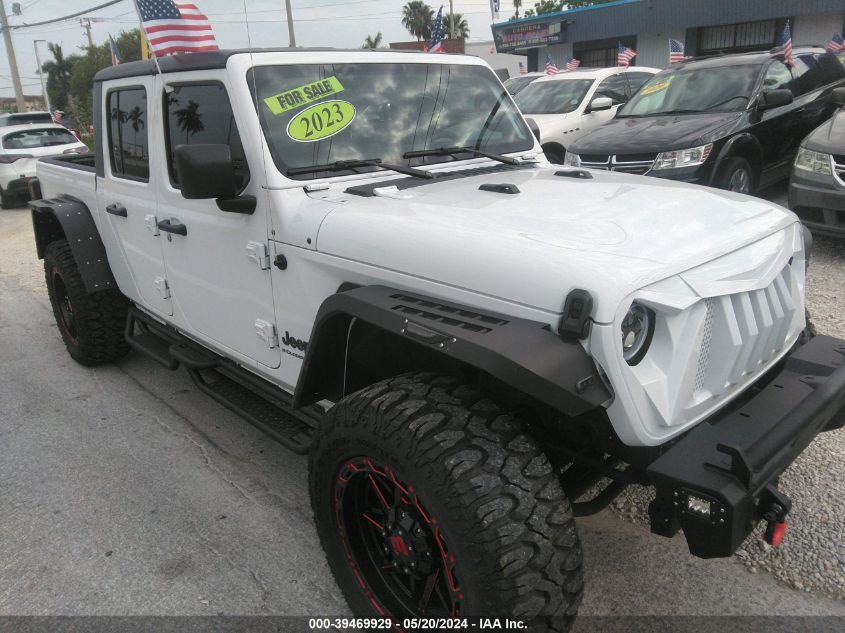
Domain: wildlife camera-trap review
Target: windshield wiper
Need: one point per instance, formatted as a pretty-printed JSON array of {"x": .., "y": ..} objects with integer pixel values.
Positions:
[
  {"x": 344, "y": 165},
  {"x": 451, "y": 151}
]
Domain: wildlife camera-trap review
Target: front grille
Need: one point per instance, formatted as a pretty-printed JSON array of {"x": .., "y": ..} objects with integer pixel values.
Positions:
[
  {"x": 627, "y": 163},
  {"x": 839, "y": 168}
]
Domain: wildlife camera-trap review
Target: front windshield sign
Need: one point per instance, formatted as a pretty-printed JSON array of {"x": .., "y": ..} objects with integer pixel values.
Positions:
[
  {"x": 692, "y": 90},
  {"x": 319, "y": 114}
]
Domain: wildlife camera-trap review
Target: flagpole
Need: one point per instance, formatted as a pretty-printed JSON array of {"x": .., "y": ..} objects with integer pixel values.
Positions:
[{"x": 167, "y": 88}]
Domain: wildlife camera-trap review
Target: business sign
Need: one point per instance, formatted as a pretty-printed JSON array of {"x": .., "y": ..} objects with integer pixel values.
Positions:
[{"x": 510, "y": 38}]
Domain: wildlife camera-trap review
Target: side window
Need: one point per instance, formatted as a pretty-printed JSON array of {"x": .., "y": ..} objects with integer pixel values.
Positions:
[
  {"x": 636, "y": 80},
  {"x": 201, "y": 113},
  {"x": 806, "y": 75},
  {"x": 614, "y": 87},
  {"x": 777, "y": 76},
  {"x": 830, "y": 68},
  {"x": 128, "y": 145}
]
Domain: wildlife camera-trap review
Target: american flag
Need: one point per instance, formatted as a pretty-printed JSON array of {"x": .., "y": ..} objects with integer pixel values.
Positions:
[
  {"x": 115, "y": 54},
  {"x": 786, "y": 44},
  {"x": 625, "y": 55},
  {"x": 551, "y": 69},
  {"x": 174, "y": 27},
  {"x": 57, "y": 115},
  {"x": 522, "y": 69},
  {"x": 676, "y": 51},
  {"x": 572, "y": 63},
  {"x": 436, "y": 45},
  {"x": 836, "y": 44}
]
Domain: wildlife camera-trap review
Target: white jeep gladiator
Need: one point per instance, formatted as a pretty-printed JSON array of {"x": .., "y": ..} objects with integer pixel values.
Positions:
[{"x": 366, "y": 255}]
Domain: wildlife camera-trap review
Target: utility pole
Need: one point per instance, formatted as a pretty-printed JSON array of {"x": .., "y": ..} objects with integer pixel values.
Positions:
[
  {"x": 86, "y": 25},
  {"x": 451, "y": 21},
  {"x": 13, "y": 63},
  {"x": 41, "y": 76},
  {"x": 291, "y": 36}
]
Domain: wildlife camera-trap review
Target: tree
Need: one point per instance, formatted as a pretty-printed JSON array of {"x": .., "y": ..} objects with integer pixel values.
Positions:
[
  {"x": 516, "y": 5},
  {"x": 418, "y": 18},
  {"x": 547, "y": 6},
  {"x": 372, "y": 41},
  {"x": 58, "y": 71},
  {"x": 189, "y": 120},
  {"x": 461, "y": 26}
]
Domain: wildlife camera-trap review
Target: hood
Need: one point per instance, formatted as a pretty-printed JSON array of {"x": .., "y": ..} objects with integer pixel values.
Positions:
[
  {"x": 612, "y": 234},
  {"x": 829, "y": 137},
  {"x": 640, "y": 135}
]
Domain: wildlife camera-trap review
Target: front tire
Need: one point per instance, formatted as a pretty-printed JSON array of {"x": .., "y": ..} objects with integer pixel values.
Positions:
[
  {"x": 91, "y": 324},
  {"x": 431, "y": 501},
  {"x": 737, "y": 175}
]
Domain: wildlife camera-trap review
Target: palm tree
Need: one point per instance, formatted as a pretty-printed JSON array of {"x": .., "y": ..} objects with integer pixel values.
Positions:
[
  {"x": 516, "y": 5},
  {"x": 135, "y": 116},
  {"x": 418, "y": 18},
  {"x": 461, "y": 26},
  {"x": 58, "y": 71},
  {"x": 190, "y": 120},
  {"x": 372, "y": 41}
]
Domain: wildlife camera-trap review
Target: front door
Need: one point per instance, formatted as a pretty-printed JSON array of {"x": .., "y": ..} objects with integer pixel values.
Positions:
[
  {"x": 126, "y": 194},
  {"x": 219, "y": 270}
]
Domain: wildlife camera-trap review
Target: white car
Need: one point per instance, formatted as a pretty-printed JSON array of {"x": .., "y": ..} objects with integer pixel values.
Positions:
[
  {"x": 20, "y": 147},
  {"x": 515, "y": 84},
  {"x": 568, "y": 105}
]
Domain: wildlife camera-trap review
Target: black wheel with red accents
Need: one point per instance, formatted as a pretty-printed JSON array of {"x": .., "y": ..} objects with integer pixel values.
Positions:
[{"x": 431, "y": 501}]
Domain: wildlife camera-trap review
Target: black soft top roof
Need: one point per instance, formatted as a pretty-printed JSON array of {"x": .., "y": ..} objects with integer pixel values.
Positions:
[{"x": 182, "y": 62}]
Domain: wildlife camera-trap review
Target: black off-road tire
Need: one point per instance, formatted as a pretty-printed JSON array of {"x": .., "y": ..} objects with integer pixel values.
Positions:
[
  {"x": 733, "y": 169},
  {"x": 93, "y": 333},
  {"x": 499, "y": 506}
]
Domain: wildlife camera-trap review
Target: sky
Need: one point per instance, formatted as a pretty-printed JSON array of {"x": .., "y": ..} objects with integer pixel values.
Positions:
[{"x": 337, "y": 23}]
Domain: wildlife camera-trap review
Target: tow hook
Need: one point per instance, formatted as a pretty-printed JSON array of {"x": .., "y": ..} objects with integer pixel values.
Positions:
[{"x": 774, "y": 513}]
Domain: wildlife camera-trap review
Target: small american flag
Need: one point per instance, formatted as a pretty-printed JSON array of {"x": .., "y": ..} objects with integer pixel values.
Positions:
[
  {"x": 57, "y": 115},
  {"x": 436, "y": 45},
  {"x": 522, "y": 69},
  {"x": 836, "y": 44},
  {"x": 174, "y": 27},
  {"x": 676, "y": 51},
  {"x": 572, "y": 64},
  {"x": 625, "y": 55},
  {"x": 786, "y": 44},
  {"x": 115, "y": 54},
  {"x": 551, "y": 69}
]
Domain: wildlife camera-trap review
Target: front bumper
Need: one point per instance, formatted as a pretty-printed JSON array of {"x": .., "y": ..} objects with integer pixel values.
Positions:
[
  {"x": 699, "y": 174},
  {"x": 719, "y": 479},
  {"x": 819, "y": 201}
]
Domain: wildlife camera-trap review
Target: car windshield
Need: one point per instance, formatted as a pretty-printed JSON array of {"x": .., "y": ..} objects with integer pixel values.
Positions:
[
  {"x": 317, "y": 114},
  {"x": 691, "y": 89},
  {"x": 28, "y": 139},
  {"x": 553, "y": 97},
  {"x": 516, "y": 84}
]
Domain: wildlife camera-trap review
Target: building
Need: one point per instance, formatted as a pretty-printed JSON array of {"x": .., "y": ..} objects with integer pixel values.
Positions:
[
  {"x": 592, "y": 34},
  {"x": 32, "y": 102}
]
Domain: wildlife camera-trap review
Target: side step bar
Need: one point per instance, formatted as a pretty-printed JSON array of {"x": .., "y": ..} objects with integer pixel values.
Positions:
[{"x": 259, "y": 402}]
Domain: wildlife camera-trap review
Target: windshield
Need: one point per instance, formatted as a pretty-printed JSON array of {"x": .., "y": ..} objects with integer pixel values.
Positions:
[
  {"x": 516, "y": 84},
  {"x": 715, "y": 89},
  {"x": 317, "y": 114},
  {"x": 38, "y": 138},
  {"x": 553, "y": 97}
]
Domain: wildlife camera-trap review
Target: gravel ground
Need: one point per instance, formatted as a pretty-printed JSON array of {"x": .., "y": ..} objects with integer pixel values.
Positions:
[{"x": 812, "y": 556}]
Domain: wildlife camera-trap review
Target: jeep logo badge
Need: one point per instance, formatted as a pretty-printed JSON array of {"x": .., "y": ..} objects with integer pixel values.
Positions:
[{"x": 294, "y": 342}]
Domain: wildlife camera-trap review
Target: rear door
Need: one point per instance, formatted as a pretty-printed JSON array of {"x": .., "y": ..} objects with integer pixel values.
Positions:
[
  {"x": 220, "y": 268},
  {"x": 126, "y": 194}
]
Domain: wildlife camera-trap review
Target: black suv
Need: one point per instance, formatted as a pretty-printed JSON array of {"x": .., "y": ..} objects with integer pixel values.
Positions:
[{"x": 732, "y": 121}]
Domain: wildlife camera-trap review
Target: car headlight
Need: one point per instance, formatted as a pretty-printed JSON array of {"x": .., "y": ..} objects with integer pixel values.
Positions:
[
  {"x": 683, "y": 157},
  {"x": 637, "y": 330},
  {"x": 816, "y": 162},
  {"x": 572, "y": 160}
]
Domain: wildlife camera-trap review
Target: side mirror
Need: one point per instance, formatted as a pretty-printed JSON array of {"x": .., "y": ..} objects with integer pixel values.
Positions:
[
  {"x": 206, "y": 171},
  {"x": 535, "y": 129},
  {"x": 769, "y": 99},
  {"x": 600, "y": 103},
  {"x": 838, "y": 96}
]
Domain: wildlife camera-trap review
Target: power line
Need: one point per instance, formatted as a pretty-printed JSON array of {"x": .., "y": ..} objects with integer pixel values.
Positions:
[{"x": 67, "y": 17}]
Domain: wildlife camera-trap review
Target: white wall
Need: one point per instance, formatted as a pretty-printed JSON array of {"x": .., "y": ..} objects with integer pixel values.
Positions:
[
  {"x": 496, "y": 60},
  {"x": 653, "y": 48},
  {"x": 816, "y": 29}
]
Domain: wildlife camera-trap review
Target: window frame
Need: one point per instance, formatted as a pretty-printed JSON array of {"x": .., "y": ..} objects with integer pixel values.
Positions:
[
  {"x": 107, "y": 113},
  {"x": 623, "y": 82},
  {"x": 165, "y": 119}
]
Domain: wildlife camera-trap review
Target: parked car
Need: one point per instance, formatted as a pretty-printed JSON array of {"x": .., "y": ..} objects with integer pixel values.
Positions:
[
  {"x": 817, "y": 185},
  {"x": 18, "y": 118},
  {"x": 732, "y": 121},
  {"x": 20, "y": 147},
  {"x": 568, "y": 105},
  {"x": 515, "y": 84}
]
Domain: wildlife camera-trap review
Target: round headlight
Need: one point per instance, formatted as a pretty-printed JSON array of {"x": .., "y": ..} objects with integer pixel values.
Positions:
[{"x": 637, "y": 328}]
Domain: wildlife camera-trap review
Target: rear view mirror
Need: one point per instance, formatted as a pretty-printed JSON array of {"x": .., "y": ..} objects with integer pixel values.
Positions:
[
  {"x": 600, "y": 103},
  {"x": 207, "y": 171},
  {"x": 535, "y": 129},
  {"x": 774, "y": 98},
  {"x": 838, "y": 96}
]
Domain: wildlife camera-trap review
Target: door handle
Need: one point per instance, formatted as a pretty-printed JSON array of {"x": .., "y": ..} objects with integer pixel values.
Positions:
[
  {"x": 172, "y": 227},
  {"x": 116, "y": 209}
]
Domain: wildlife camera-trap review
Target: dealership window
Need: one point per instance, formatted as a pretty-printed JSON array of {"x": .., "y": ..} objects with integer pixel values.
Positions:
[
  {"x": 745, "y": 36},
  {"x": 599, "y": 57}
]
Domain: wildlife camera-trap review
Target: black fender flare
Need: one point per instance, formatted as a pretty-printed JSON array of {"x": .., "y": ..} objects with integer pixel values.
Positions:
[
  {"x": 526, "y": 355},
  {"x": 69, "y": 218},
  {"x": 729, "y": 150}
]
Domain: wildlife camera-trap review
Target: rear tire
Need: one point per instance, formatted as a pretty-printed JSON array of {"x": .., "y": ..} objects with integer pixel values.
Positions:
[
  {"x": 7, "y": 201},
  {"x": 91, "y": 324},
  {"x": 473, "y": 504},
  {"x": 737, "y": 175}
]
